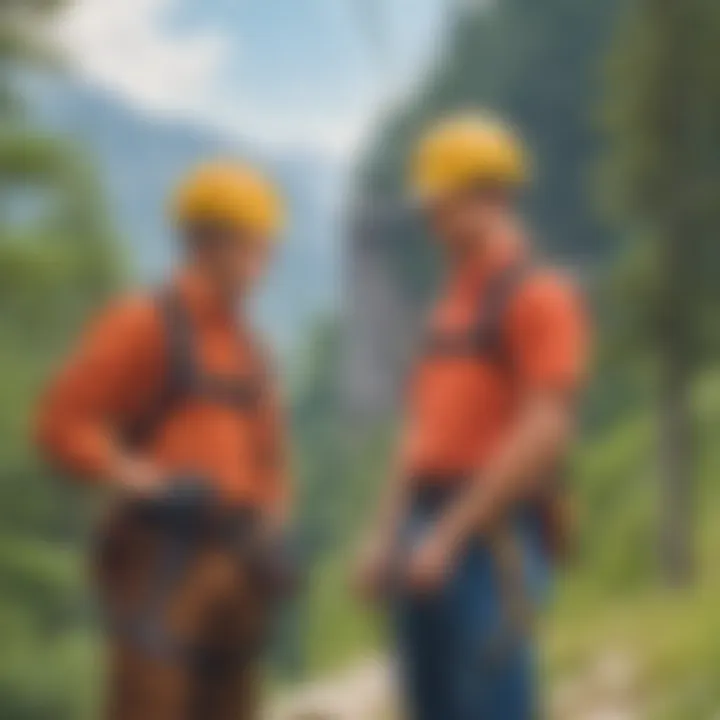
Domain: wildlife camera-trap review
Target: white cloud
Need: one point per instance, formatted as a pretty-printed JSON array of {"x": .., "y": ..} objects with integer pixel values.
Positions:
[
  {"x": 336, "y": 135},
  {"x": 126, "y": 48}
]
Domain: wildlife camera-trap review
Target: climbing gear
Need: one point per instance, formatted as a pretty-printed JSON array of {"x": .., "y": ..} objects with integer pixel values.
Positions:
[
  {"x": 232, "y": 194},
  {"x": 519, "y": 607},
  {"x": 277, "y": 564},
  {"x": 182, "y": 517},
  {"x": 467, "y": 151},
  {"x": 485, "y": 341},
  {"x": 185, "y": 379},
  {"x": 457, "y": 654},
  {"x": 515, "y": 623},
  {"x": 185, "y": 522},
  {"x": 188, "y": 516}
]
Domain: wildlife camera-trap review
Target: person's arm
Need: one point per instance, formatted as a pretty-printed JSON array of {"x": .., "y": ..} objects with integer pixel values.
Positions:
[
  {"x": 375, "y": 561},
  {"x": 275, "y": 460},
  {"x": 540, "y": 435},
  {"x": 116, "y": 367},
  {"x": 392, "y": 507},
  {"x": 378, "y": 550},
  {"x": 548, "y": 343}
]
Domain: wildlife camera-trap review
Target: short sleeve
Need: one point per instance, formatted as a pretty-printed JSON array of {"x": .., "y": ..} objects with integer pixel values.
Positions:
[{"x": 549, "y": 334}]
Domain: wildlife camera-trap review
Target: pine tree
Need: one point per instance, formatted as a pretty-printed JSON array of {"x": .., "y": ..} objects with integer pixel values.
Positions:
[
  {"x": 662, "y": 179},
  {"x": 58, "y": 259}
]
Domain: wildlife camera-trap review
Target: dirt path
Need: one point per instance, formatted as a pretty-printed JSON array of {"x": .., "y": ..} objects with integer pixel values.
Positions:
[
  {"x": 605, "y": 689},
  {"x": 362, "y": 692}
]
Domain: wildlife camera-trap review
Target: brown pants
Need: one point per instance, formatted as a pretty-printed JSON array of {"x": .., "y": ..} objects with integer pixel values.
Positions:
[{"x": 215, "y": 606}]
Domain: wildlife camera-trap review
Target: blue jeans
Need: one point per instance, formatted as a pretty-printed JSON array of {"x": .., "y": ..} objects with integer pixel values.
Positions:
[{"x": 461, "y": 656}]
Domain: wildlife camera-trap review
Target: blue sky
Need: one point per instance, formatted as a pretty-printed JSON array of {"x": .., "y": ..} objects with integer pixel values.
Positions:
[{"x": 312, "y": 74}]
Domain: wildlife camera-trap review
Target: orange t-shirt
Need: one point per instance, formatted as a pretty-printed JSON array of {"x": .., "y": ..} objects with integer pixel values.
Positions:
[
  {"x": 114, "y": 376},
  {"x": 461, "y": 407}
]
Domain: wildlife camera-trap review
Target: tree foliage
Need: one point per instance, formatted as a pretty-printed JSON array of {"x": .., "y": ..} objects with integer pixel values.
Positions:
[
  {"x": 58, "y": 260},
  {"x": 663, "y": 182}
]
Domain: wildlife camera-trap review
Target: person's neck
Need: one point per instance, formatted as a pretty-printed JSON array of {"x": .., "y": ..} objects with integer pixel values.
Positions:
[
  {"x": 209, "y": 295},
  {"x": 472, "y": 253},
  {"x": 486, "y": 252}
]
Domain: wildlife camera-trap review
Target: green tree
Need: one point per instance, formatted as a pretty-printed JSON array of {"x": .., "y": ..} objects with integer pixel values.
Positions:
[
  {"x": 58, "y": 260},
  {"x": 58, "y": 257},
  {"x": 663, "y": 182}
]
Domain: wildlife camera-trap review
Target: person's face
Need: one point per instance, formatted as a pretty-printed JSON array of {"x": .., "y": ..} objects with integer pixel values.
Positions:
[
  {"x": 235, "y": 260},
  {"x": 460, "y": 221}
]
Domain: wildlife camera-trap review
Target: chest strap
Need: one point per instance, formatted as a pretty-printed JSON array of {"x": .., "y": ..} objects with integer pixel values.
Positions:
[
  {"x": 484, "y": 339},
  {"x": 184, "y": 377}
]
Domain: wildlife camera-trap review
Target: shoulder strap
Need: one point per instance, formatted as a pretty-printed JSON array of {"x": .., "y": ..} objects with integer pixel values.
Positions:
[
  {"x": 493, "y": 306},
  {"x": 181, "y": 371},
  {"x": 484, "y": 339},
  {"x": 243, "y": 393}
]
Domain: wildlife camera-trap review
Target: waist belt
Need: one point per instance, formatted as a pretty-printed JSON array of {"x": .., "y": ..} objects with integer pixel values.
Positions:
[
  {"x": 433, "y": 491},
  {"x": 198, "y": 524}
]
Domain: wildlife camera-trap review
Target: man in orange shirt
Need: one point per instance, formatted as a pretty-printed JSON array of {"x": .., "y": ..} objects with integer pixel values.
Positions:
[
  {"x": 170, "y": 402},
  {"x": 466, "y": 526}
]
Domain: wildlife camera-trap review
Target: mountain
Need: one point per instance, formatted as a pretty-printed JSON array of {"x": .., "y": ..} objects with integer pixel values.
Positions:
[{"x": 141, "y": 158}]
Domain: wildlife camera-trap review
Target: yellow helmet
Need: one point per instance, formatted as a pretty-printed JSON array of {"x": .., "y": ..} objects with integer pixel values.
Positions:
[
  {"x": 463, "y": 150},
  {"x": 229, "y": 193}
]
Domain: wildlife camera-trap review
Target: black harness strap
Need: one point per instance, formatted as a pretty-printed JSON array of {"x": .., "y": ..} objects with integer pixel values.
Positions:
[
  {"x": 485, "y": 339},
  {"x": 185, "y": 374},
  {"x": 184, "y": 379},
  {"x": 240, "y": 394},
  {"x": 182, "y": 369}
]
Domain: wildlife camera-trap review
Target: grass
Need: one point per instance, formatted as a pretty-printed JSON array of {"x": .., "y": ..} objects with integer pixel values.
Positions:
[{"x": 614, "y": 602}]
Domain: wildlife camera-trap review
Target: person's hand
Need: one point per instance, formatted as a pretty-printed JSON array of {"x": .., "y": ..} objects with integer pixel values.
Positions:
[
  {"x": 373, "y": 568},
  {"x": 276, "y": 558},
  {"x": 136, "y": 476},
  {"x": 275, "y": 524},
  {"x": 429, "y": 564}
]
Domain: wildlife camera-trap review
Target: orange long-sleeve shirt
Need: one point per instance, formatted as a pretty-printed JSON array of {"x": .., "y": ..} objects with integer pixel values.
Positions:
[{"x": 114, "y": 376}]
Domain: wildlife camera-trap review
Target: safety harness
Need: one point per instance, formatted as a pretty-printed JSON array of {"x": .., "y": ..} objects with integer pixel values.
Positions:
[
  {"x": 188, "y": 515},
  {"x": 185, "y": 379},
  {"x": 486, "y": 342}
]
